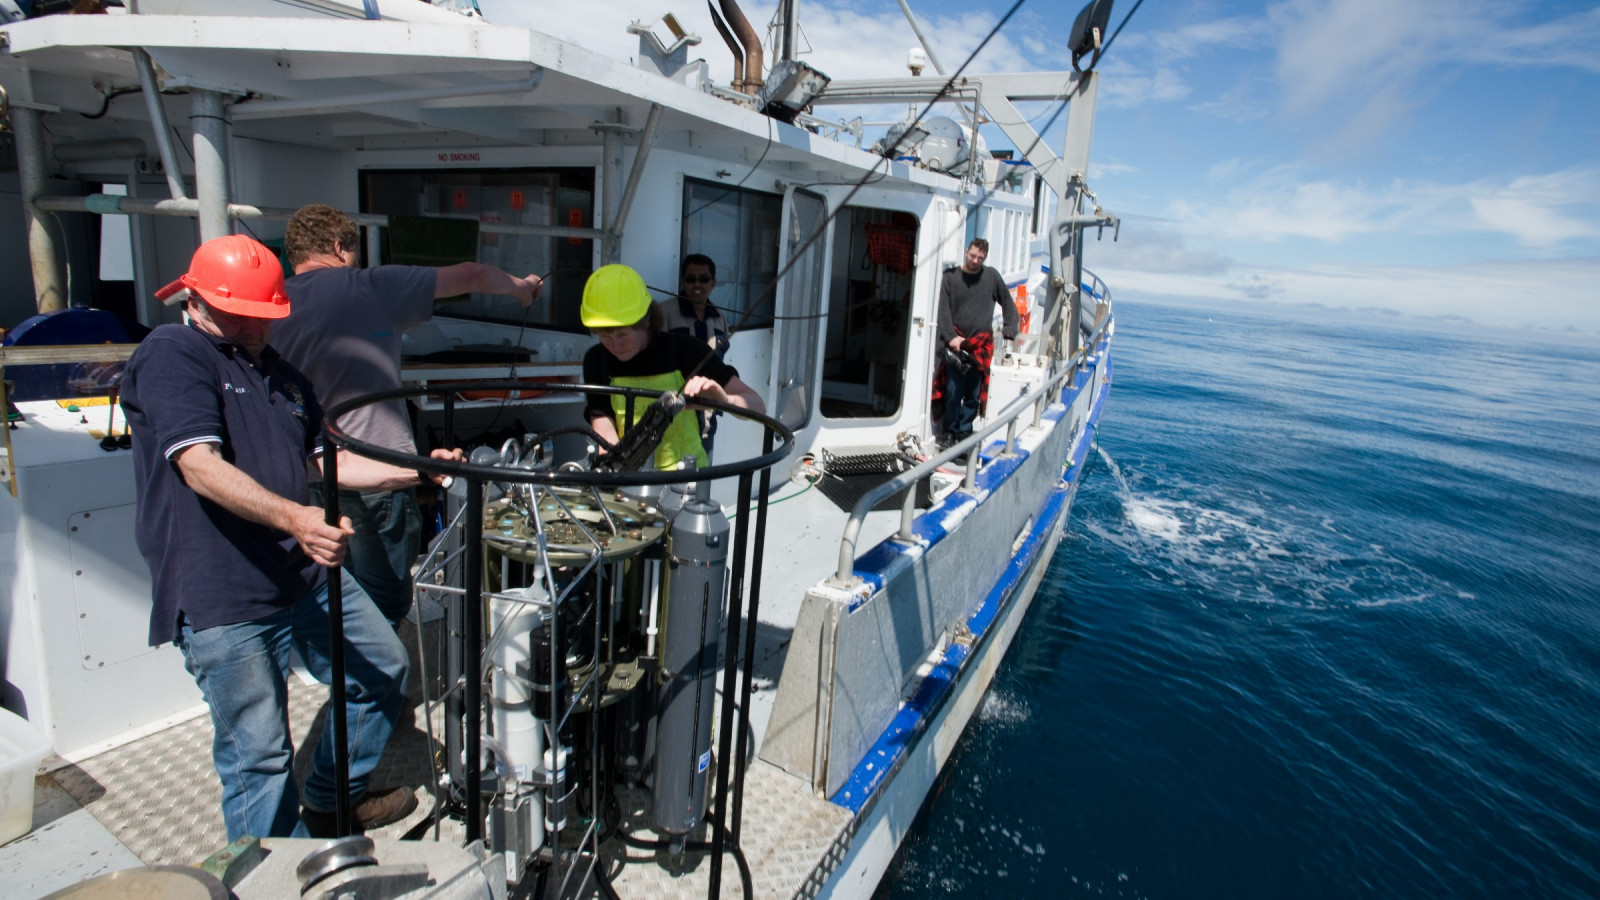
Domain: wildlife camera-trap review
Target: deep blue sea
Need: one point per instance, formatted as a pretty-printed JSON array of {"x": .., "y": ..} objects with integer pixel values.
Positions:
[{"x": 1325, "y": 623}]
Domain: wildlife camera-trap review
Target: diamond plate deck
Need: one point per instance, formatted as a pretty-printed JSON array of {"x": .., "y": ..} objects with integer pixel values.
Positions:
[{"x": 160, "y": 797}]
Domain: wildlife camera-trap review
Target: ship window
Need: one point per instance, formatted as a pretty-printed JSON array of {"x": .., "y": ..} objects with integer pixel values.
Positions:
[
  {"x": 468, "y": 215},
  {"x": 800, "y": 296},
  {"x": 738, "y": 229}
]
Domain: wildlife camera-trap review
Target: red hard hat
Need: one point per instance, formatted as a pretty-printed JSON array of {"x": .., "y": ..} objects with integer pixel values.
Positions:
[{"x": 236, "y": 274}]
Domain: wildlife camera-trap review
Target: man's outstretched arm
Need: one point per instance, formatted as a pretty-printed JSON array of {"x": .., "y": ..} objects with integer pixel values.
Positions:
[{"x": 477, "y": 278}]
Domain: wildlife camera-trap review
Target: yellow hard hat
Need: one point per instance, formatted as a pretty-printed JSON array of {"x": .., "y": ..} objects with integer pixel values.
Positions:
[{"x": 614, "y": 296}]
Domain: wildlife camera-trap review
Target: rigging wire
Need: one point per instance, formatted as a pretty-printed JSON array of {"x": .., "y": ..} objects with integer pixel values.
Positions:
[
  {"x": 874, "y": 176},
  {"x": 730, "y": 189},
  {"x": 1107, "y": 45},
  {"x": 796, "y": 255}
]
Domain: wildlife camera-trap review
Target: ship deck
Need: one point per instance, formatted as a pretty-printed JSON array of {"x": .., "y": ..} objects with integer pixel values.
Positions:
[{"x": 157, "y": 800}]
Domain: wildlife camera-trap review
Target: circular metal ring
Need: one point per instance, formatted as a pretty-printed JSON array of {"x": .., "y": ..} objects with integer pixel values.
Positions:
[{"x": 333, "y": 857}]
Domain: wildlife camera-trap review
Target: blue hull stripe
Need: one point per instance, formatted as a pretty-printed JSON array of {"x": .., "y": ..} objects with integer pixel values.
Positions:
[{"x": 884, "y": 756}]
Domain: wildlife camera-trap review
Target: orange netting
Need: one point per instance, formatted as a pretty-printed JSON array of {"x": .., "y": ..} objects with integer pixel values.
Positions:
[{"x": 890, "y": 245}]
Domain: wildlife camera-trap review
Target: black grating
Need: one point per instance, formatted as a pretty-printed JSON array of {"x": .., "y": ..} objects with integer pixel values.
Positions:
[{"x": 848, "y": 473}]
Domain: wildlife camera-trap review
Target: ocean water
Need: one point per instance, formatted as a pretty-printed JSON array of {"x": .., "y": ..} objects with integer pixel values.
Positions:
[{"x": 1325, "y": 623}]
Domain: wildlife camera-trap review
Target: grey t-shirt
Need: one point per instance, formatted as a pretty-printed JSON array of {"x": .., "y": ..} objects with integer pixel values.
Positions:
[{"x": 343, "y": 331}]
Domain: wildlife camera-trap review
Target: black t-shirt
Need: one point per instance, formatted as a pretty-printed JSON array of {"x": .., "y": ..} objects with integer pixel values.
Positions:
[
  {"x": 185, "y": 387},
  {"x": 665, "y": 352}
]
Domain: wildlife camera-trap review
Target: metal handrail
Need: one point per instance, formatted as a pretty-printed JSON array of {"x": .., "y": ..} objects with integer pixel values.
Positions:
[{"x": 845, "y": 576}]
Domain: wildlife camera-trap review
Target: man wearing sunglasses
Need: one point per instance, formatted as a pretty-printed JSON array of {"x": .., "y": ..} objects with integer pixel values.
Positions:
[{"x": 692, "y": 313}]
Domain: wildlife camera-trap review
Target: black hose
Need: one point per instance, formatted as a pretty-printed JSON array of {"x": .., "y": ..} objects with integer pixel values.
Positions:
[
  {"x": 700, "y": 847},
  {"x": 603, "y": 882}
]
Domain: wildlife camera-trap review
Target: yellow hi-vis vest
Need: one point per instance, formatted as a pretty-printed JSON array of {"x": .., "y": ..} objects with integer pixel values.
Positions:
[{"x": 683, "y": 435}]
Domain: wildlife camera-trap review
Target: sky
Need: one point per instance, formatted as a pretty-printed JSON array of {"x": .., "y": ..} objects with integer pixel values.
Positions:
[{"x": 1432, "y": 158}]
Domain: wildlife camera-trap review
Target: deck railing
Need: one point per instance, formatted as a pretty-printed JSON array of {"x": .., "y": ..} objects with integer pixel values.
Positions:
[{"x": 1037, "y": 400}]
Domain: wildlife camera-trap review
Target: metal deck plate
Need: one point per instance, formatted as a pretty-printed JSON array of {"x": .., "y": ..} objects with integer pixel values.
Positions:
[
  {"x": 789, "y": 838},
  {"x": 161, "y": 798}
]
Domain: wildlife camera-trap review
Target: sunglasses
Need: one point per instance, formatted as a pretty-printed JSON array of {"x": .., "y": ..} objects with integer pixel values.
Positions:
[{"x": 698, "y": 279}]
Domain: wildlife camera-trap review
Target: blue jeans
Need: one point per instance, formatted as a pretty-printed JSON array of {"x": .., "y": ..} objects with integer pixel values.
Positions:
[
  {"x": 961, "y": 391},
  {"x": 242, "y": 669},
  {"x": 388, "y": 538}
]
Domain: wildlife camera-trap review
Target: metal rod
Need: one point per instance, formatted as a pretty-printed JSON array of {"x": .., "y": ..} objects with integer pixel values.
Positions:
[
  {"x": 43, "y": 252},
  {"x": 764, "y": 489},
  {"x": 730, "y": 671},
  {"x": 158, "y": 122},
  {"x": 118, "y": 204},
  {"x": 733, "y": 46},
  {"x": 647, "y": 139},
  {"x": 916, "y": 29},
  {"x": 9, "y": 465},
  {"x": 472, "y": 656},
  {"x": 261, "y": 109},
  {"x": 787, "y": 52},
  {"x": 374, "y": 235},
  {"x": 610, "y": 176},
  {"x": 207, "y": 117},
  {"x": 65, "y": 353},
  {"x": 341, "y": 724},
  {"x": 754, "y": 55},
  {"x": 908, "y": 511}
]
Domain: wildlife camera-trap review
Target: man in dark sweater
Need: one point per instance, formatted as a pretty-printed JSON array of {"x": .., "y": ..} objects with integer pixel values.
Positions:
[{"x": 967, "y": 298}]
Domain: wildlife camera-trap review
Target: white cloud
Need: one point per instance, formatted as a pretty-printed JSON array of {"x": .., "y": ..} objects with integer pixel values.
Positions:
[
  {"x": 1535, "y": 207},
  {"x": 1552, "y": 294},
  {"x": 1153, "y": 246},
  {"x": 1128, "y": 86},
  {"x": 1543, "y": 213},
  {"x": 601, "y": 32},
  {"x": 1227, "y": 34},
  {"x": 1374, "y": 59},
  {"x": 839, "y": 40},
  {"x": 1099, "y": 169}
]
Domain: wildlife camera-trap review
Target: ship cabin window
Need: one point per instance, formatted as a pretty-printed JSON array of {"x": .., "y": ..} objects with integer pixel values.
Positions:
[
  {"x": 442, "y": 217},
  {"x": 869, "y": 314},
  {"x": 738, "y": 229}
]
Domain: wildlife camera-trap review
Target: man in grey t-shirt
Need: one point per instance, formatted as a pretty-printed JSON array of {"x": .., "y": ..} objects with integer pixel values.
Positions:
[{"x": 344, "y": 333}]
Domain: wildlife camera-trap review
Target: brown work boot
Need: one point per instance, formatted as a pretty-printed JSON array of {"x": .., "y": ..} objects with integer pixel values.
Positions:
[{"x": 375, "y": 810}]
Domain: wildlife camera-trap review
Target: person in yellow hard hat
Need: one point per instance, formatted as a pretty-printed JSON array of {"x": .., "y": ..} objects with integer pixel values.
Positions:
[
  {"x": 222, "y": 432},
  {"x": 635, "y": 352}
]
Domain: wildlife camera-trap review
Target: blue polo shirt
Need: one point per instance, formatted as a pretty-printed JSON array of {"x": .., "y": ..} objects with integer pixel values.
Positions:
[{"x": 185, "y": 387}]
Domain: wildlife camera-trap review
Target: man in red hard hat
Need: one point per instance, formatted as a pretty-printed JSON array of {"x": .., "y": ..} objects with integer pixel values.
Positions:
[{"x": 223, "y": 430}]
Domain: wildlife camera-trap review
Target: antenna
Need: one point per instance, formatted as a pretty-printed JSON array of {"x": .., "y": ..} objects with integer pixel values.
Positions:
[{"x": 916, "y": 60}]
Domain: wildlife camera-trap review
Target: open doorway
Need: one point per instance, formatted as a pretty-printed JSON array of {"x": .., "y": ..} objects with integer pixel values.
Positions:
[{"x": 874, "y": 268}]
